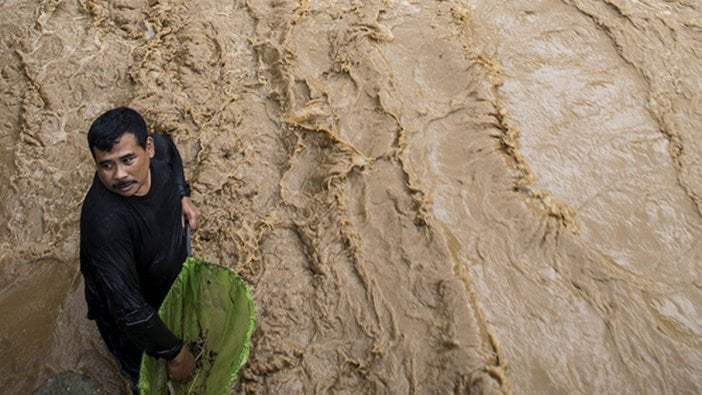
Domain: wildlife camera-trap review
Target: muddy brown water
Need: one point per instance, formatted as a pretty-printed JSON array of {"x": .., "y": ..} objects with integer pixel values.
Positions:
[{"x": 476, "y": 196}]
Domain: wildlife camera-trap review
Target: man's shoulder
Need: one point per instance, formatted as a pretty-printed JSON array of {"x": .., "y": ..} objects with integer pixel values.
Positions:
[
  {"x": 163, "y": 146},
  {"x": 159, "y": 165},
  {"x": 102, "y": 213},
  {"x": 99, "y": 198}
]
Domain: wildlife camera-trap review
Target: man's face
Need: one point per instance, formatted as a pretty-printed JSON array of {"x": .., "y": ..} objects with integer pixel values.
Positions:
[{"x": 125, "y": 169}]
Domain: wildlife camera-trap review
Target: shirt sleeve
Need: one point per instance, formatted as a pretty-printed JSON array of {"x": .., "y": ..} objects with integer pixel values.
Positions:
[
  {"x": 114, "y": 272},
  {"x": 166, "y": 151}
]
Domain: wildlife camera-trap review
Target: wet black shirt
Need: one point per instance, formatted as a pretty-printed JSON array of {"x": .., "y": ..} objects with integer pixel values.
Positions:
[{"x": 131, "y": 251}]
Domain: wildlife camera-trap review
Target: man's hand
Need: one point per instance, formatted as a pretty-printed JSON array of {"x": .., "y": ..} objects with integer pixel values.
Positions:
[
  {"x": 191, "y": 214},
  {"x": 182, "y": 367}
]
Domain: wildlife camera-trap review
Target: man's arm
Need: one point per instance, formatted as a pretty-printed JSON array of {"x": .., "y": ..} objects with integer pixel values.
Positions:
[
  {"x": 115, "y": 275},
  {"x": 166, "y": 151},
  {"x": 112, "y": 268}
]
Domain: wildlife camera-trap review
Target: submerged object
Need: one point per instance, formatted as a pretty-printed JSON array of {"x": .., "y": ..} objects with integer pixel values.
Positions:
[
  {"x": 69, "y": 383},
  {"x": 210, "y": 307}
]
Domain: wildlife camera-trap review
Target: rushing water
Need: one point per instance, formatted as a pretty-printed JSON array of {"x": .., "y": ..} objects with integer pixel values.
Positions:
[{"x": 426, "y": 196}]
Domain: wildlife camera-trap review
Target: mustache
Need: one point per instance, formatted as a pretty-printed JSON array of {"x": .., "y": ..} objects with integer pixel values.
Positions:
[{"x": 122, "y": 184}]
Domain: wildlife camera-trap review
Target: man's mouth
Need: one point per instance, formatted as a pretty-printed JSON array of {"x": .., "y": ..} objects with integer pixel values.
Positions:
[{"x": 123, "y": 186}]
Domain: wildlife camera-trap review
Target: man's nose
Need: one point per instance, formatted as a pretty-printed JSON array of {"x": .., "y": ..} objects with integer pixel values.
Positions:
[{"x": 121, "y": 172}]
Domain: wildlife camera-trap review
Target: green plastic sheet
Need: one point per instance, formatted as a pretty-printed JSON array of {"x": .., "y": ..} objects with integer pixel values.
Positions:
[{"x": 210, "y": 307}]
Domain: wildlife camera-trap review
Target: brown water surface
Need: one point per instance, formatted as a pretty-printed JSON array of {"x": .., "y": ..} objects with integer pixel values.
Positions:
[{"x": 482, "y": 196}]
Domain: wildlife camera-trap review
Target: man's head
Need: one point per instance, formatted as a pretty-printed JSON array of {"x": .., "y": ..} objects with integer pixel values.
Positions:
[{"x": 122, "y": 151}]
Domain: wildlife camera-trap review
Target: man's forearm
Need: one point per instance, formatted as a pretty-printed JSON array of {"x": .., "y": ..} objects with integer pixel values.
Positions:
[{"x": 152, "y": 336}]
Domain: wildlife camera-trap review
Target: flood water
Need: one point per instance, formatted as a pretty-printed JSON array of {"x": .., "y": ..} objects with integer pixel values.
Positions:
[{"x": 478, "y": 196}]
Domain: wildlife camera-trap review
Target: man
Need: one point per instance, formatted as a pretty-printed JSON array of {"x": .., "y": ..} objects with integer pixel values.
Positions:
[{"x": 133, "y": 240}]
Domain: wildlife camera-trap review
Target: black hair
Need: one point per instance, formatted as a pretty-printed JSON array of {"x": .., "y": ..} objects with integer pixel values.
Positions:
[{"x": 110, "y": 126}]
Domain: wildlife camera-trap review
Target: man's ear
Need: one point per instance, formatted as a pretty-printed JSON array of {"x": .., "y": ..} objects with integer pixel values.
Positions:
[{"x": 150, "y": 148}]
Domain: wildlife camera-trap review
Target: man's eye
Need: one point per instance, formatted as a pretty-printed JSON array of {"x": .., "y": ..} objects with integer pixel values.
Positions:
[
  {"x": 106, "y": 166},
  {"x": 127, "y": 161}
]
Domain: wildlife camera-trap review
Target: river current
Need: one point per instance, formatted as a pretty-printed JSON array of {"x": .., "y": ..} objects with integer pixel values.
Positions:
[{"x": 479, "y": 196}]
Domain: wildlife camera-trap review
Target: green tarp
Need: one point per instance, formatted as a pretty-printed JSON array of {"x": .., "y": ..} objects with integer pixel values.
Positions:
[{"x": 211, "y": 309}]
